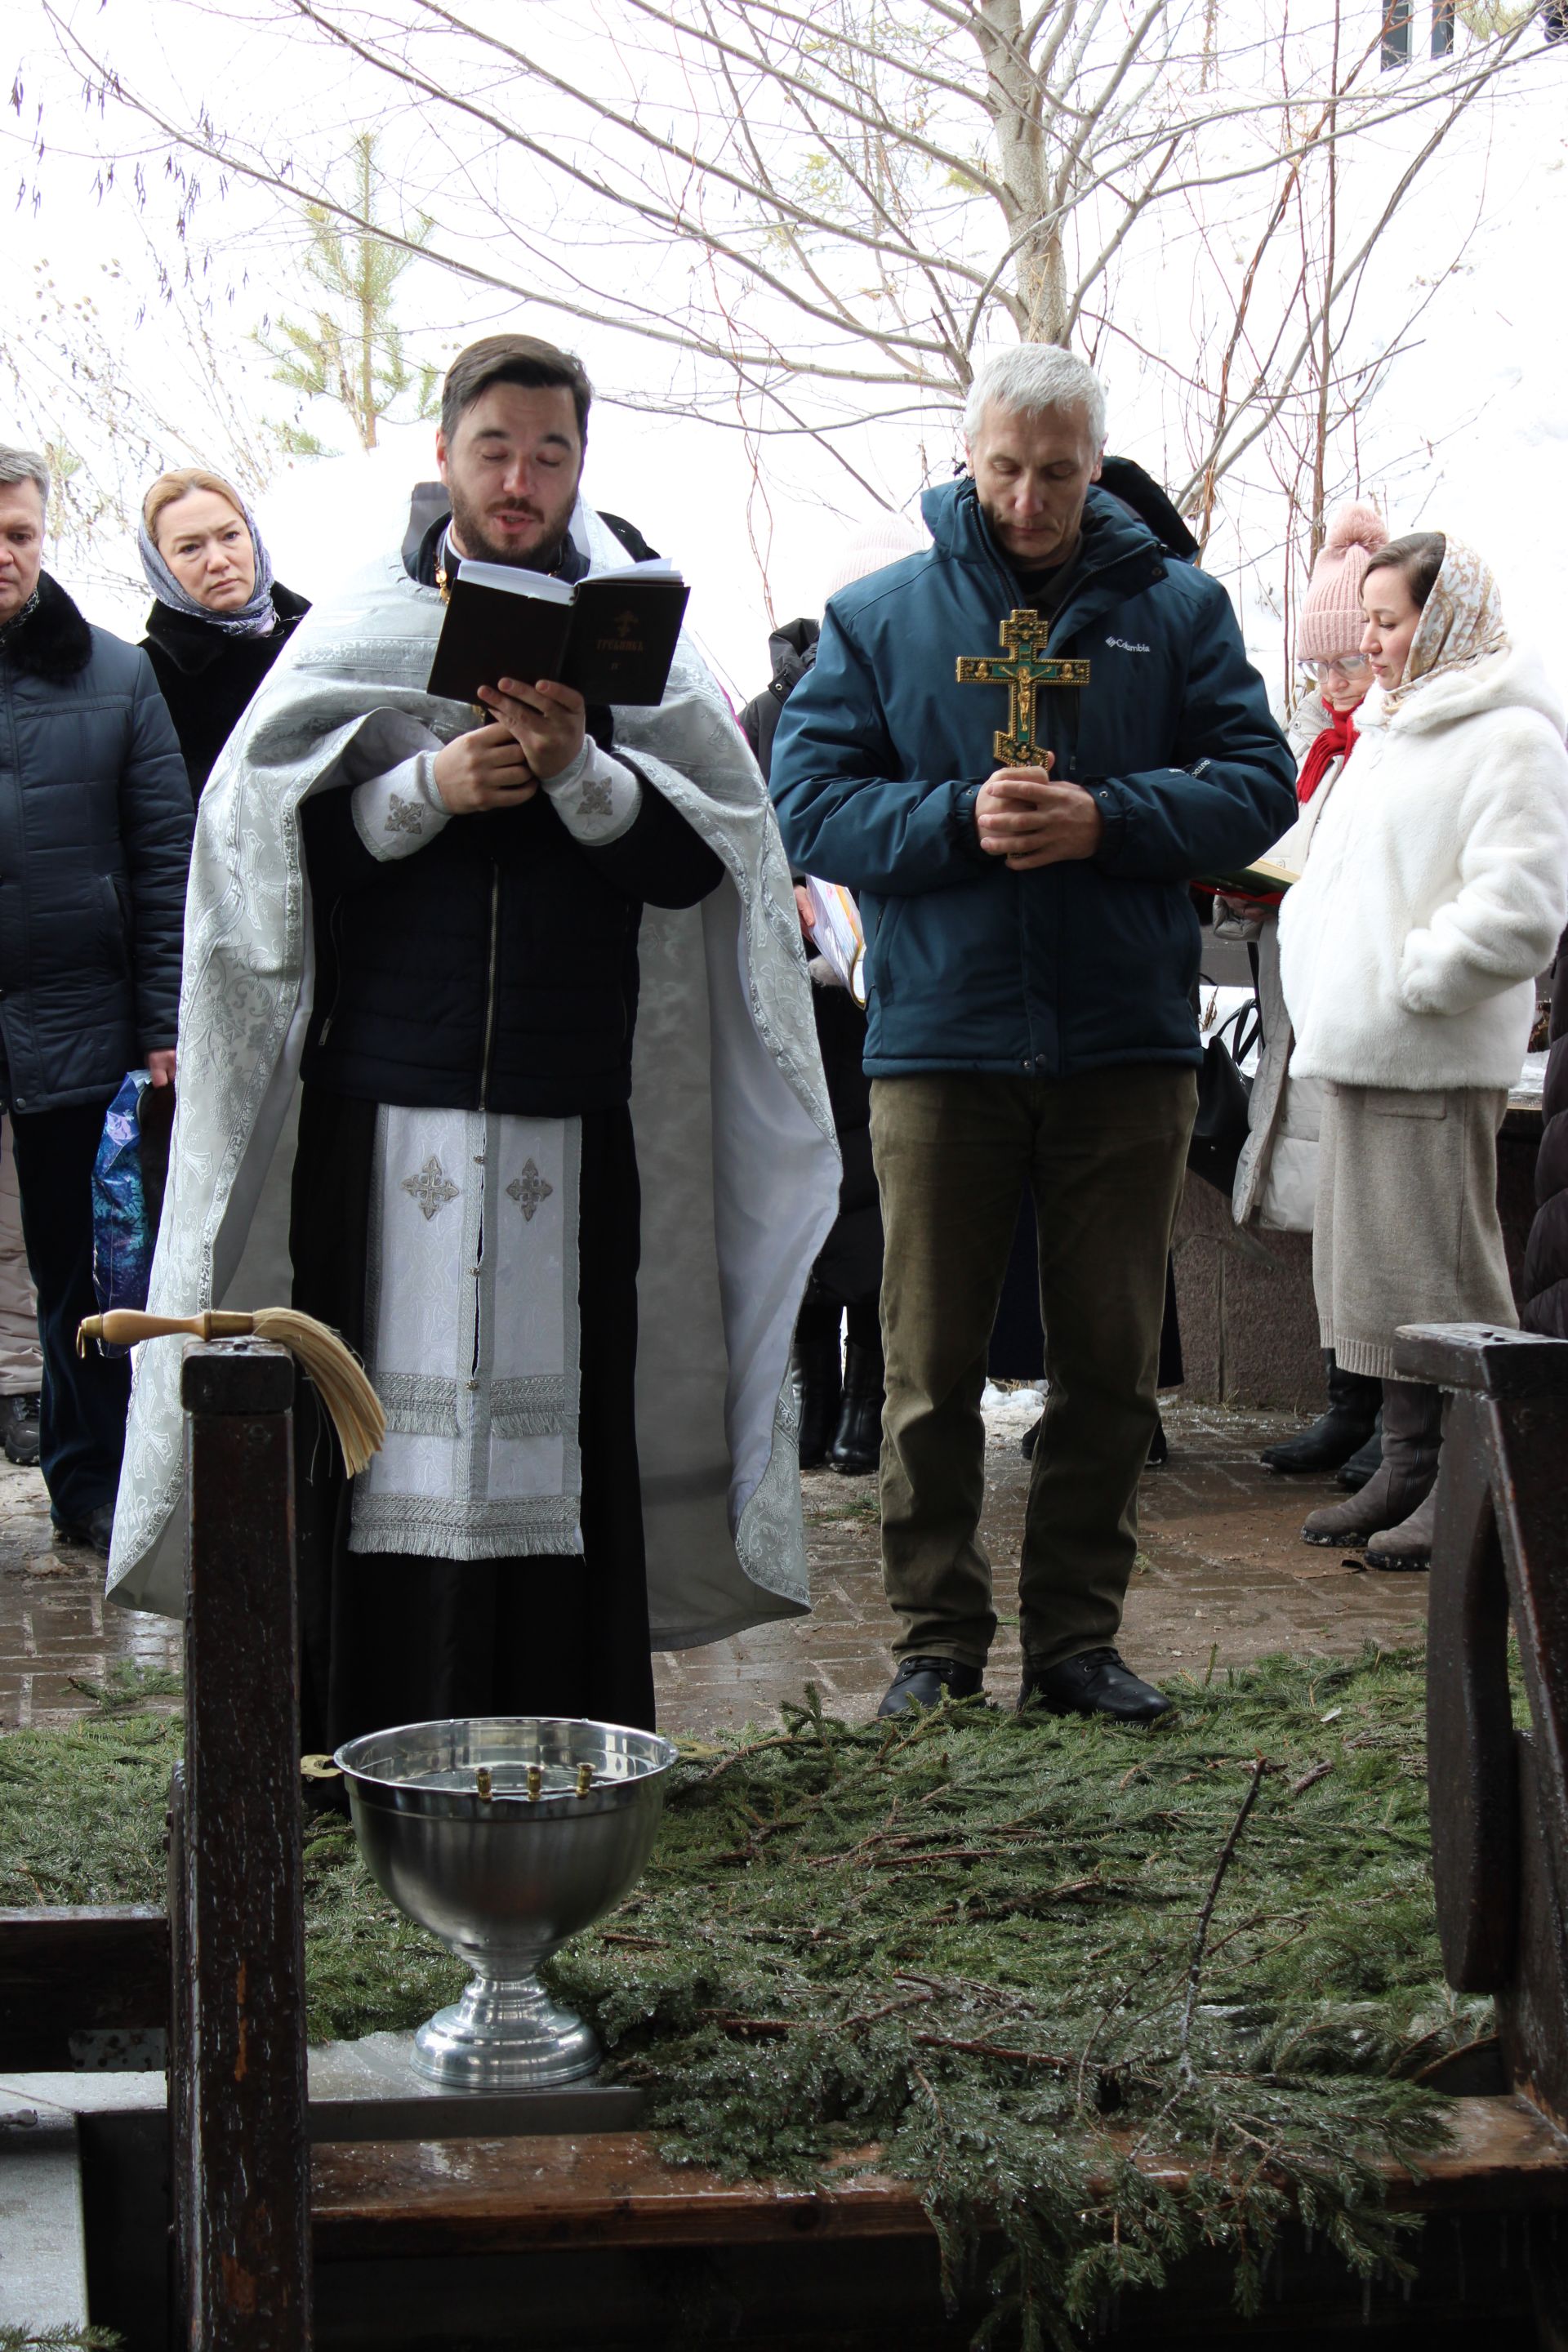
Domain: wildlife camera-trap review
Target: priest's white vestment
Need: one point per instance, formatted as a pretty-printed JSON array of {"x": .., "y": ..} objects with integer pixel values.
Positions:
[{"x": 734, "y": 1140}]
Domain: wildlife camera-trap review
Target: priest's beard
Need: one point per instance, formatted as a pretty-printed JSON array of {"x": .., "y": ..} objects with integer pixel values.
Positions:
[{"x": 542, "y": 547}]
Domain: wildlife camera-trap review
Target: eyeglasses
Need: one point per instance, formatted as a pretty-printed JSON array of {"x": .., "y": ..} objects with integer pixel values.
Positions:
[{"x": 1346, "y": 665}]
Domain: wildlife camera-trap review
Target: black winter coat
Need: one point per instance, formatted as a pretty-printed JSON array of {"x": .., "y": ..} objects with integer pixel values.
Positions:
[
  {"x": 849, "y": 1265},
  {"x": 207, "y": 679},
  {"x": 496, "y": 968},
  {"x": 794, "y": 649},
  {"x": 95, "y": 840}
]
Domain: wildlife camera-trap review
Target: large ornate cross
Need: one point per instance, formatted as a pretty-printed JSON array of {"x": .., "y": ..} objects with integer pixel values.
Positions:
[{"x": 1023, "y": 636}]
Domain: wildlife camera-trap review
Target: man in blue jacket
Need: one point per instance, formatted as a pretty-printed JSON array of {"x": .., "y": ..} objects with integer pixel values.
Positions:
[{"x": 1032, "y": 955}]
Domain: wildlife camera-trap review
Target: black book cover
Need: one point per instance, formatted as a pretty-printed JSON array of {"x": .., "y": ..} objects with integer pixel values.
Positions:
[{"x": 612, "y": 637}]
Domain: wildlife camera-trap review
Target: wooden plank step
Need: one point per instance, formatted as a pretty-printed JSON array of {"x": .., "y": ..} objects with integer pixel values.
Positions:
[
  {"x": 88, "y": 1968},
  {"x": 403, "y": 2198}
]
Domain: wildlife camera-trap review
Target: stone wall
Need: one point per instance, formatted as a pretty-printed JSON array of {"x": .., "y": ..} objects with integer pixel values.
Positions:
[{"x": 1249, "y": 1325}]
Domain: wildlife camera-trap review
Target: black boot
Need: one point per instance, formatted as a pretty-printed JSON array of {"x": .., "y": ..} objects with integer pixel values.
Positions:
[
  {"x": 19, "y": 1421},
  {"x": 1335, "y": 1436},
  {"x": 857, "y": 1448},
  {"x": 1412, "y": 1437},
  {"x": 1365, "y": 1463},
  {"x": 819, "y": 1373},
  {"x": 92, "y": 1532}
]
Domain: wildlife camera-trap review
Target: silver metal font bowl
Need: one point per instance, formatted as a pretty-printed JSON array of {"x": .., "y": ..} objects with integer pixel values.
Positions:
[{"x": 504, "y": 1836}]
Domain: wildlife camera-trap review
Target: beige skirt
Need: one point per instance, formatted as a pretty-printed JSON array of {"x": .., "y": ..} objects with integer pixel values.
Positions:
[{"x": 1405, "y": 1228}]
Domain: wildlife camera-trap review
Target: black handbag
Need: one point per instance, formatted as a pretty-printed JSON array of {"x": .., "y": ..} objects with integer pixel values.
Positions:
[{"x": 1224, "y": 1096}]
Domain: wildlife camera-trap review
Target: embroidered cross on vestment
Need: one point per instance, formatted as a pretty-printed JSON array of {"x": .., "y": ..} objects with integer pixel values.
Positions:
[
  {"x": 1023, "y": 636},
  {"x": 431, "y": 1189},
  {"x": 529, "y": 1189}
]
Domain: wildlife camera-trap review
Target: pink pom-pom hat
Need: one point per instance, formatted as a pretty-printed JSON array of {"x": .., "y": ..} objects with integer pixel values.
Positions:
[{"x": 1331, "y": 618}]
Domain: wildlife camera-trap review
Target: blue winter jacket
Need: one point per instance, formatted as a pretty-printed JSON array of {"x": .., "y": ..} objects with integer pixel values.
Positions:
[{"x": 881, "y": 753}]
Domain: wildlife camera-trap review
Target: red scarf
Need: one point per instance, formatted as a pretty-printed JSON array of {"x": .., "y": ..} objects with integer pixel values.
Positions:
[{"x": 1336, "y": 741}]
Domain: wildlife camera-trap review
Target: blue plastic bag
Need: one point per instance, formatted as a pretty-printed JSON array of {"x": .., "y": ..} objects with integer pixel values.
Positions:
[{"x": 124, "y": 1227}]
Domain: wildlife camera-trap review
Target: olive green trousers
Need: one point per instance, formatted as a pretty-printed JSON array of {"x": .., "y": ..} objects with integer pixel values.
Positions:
[{"x": 1104, "y": 1155}]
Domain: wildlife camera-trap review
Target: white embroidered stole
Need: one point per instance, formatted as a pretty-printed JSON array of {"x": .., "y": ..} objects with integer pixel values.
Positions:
[{"x": 471, "y": 1337}]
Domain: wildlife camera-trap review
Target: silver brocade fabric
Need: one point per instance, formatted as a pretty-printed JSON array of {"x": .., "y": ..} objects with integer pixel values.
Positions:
[{"x": 734, "y": 1136}]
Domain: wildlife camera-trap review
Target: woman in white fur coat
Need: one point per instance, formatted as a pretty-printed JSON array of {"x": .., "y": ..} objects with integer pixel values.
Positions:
[{"x": 1435, "y": 891}]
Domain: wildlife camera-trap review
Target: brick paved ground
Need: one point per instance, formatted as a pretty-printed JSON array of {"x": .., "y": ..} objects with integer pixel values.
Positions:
[{"x": 1222, "y": 1569}]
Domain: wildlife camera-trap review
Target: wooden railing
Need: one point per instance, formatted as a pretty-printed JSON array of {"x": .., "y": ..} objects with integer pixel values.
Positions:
[
  {"x": 237, "y": 2045},
  {"x": 1498, "y": 1789}
]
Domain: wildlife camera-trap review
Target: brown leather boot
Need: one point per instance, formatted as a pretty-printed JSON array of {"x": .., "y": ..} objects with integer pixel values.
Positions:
[
  {"x": 1412, "y": 1432},
  {"x": 1409, "y": 1545}
]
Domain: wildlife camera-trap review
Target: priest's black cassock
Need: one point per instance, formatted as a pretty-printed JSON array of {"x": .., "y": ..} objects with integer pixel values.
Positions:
[
  {"x": 406, "y": 1041},
  {"x": 493, "y": 967}
]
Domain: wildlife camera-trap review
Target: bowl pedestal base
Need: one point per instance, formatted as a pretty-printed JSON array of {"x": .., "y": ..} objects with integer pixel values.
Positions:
[{"x": 505, "y": 2034}]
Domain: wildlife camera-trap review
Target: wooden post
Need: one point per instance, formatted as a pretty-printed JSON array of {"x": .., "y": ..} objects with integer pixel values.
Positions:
[
  {"x": 241, "y": 2166},
  {"x": 1499, "y": 1795}
]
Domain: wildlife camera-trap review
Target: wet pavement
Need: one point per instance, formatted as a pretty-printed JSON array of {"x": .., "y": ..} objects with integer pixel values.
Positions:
[
  {"x": 1221, "y": 1571},
  {"x": 1222, "y": 1574}
]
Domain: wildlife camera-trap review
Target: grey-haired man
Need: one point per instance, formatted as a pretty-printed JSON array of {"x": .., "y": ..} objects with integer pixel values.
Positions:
[{"x": 1032, "y": 949}]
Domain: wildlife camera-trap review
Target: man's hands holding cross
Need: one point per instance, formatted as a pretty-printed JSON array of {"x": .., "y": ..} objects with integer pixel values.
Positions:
[{"x": 1024, "y": 815}]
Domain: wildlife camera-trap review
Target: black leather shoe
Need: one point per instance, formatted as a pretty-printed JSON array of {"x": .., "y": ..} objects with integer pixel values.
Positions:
[
  {"x": 1094, "y": 1683},
  {"x": 926, "y": 1682},
  {"x": 19, "y": 1421},
  {"x": 92, "y": 1533},
  {"x": 857, "y": 1447},
  {"x": 1335, "y": 1436},
  {"x": 1364, "y": 1464}
]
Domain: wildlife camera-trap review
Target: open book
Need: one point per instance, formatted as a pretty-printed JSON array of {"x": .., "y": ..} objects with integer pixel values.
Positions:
[
  {"x": 1281, "y": 863},
  {"x": 1265, "y": 876},
  {"x": 612, "y": 636},
  {"x": 836, "y": 935}
]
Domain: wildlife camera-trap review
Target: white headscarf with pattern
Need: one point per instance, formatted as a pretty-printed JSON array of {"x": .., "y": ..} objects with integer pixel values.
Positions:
[{"x": 1460, "y": 625}]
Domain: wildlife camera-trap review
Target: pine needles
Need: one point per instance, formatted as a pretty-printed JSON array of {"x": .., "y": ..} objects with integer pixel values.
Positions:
[
  {"x": 59, "y": 2339},
  {"x": 1026, "y": 1963},
  {"x": 1022, "y": 1964}
]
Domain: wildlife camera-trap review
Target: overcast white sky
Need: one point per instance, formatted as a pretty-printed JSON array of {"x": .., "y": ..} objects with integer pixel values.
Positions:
[{"x": 1471, "y": 432}]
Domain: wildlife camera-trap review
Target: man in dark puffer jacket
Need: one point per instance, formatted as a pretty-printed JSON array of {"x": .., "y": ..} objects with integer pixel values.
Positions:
[
  {"x": 95, "y": 838},
  {"x": 1031, "y": 950}
]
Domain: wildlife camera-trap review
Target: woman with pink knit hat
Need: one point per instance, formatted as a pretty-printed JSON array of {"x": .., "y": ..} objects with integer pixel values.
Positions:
[
  {"x": 1435, "y": 891},
  {"x": 1276, "y": 1175}
]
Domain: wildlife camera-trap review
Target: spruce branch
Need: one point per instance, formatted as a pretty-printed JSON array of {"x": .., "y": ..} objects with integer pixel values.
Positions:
[{"x": 1196, "y": 1964}]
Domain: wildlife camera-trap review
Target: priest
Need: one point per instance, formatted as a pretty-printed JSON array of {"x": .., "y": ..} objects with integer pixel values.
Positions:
[{"x": 415, "y": 950}]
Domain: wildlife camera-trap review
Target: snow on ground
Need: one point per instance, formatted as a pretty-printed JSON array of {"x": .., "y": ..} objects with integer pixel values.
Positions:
[{"x": 1010, "y": 1409}]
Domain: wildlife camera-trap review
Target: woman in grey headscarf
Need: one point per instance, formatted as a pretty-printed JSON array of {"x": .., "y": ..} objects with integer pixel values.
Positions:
[{"x": 220, "y": 620}]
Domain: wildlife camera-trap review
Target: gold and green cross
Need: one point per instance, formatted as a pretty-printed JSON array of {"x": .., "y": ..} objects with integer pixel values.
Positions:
[{"x": 1023, "y": 636}]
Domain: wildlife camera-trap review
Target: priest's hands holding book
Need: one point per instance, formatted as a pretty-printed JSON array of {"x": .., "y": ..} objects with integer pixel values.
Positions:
[
  {"x": 537, "y": 731},
  {"x": 1028, "y": 817}
]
